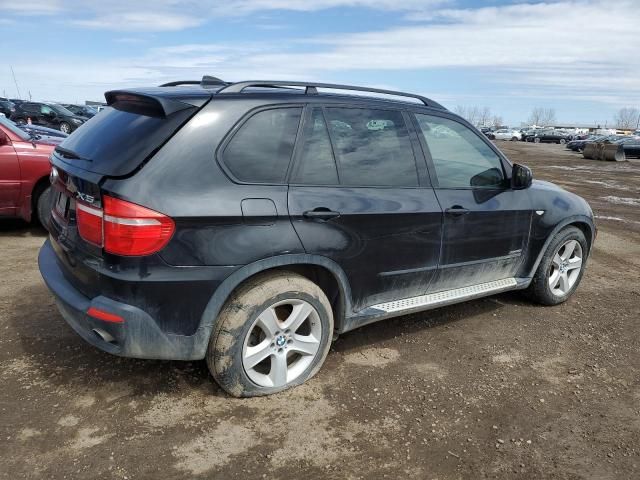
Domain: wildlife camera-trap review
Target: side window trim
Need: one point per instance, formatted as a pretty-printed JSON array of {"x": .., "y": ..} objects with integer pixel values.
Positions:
[
  {"x": 425, "y": 179},
  {"x": 333, "y": 146},
  {"x": 505, "y": 164},
  {"x": 219, "y": 153},
  {"x": 296, "y": 162}
]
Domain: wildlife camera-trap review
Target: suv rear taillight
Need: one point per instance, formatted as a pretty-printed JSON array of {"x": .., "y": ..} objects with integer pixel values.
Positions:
[{"x": 124, "y": 228}]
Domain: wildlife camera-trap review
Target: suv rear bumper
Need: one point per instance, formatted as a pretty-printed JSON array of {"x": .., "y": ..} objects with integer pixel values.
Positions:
[{"x": 137, "y": 336}]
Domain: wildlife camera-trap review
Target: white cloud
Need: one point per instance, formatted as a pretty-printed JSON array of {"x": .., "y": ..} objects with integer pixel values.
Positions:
[
  {"x": 140, "y": 21},
  {"x": 30, "y": 7},
  {"x": 172, "y": 15},
  {"x": 583, "y": 50}
]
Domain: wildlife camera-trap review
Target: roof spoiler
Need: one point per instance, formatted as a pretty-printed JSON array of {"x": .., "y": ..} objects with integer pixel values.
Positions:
[
  {"x": 207, "y": 81},
  {"x": 146, "y": 104}
]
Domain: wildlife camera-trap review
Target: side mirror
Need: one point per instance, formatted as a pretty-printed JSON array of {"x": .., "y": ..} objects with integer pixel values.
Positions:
[
  {"x": 4, "y": 140},
  {"x": 521, "y": 177}
]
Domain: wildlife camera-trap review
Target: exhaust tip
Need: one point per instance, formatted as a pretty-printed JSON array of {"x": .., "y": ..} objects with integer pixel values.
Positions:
[{"x": 104, "y": 336}]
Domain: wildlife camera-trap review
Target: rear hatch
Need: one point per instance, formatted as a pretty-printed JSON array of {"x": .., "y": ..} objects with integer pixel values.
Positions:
[{"x": 114, "y": 144}]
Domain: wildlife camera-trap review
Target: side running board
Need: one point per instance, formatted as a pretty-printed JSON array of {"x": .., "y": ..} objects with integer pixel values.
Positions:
[{"x": 446, "y": 297}]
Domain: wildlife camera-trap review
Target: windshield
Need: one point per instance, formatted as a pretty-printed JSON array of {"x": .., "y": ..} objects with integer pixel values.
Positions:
[
  {"x": 60, "y": 110},
  {"x": 14, "y": 128},
  {"x": 89, "y": 109}
]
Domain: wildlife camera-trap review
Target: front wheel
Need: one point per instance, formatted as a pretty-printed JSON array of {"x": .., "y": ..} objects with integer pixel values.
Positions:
[
  {"x": 65, "y": 128},
  {"x": 560, "y": 269},
  {"x": 514, "y": 139},
  {"x": 273, "y": 333},
  {"x": 562, "y": 141},
  {"x": 536, "y": 140}
]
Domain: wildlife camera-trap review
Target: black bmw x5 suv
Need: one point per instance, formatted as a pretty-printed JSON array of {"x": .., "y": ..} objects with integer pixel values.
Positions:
[{"x": 251, "y": 223}]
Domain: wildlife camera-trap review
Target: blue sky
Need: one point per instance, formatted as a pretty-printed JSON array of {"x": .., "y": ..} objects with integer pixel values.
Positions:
[{"x": 581, "y": 57}]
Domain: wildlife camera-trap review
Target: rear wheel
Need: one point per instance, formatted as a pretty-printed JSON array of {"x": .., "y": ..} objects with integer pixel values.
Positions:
[
  {"x": 43, "y": 205},
  {"x": 273, "y": 333},
  {"x": 560, "y": 269},
  {"x": 514, "y": 139},
  {"x": 562, "y": 141},
  {"x": 536, "y": 140}
]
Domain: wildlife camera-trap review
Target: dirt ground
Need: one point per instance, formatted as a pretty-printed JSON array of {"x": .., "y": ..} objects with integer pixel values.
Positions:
[{"x": 494, "y": 388}]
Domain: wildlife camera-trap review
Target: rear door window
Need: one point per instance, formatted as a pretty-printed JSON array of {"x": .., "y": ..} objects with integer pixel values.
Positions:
[
  {"x": 372, "y": 147},
  {"x": 260, "y": 151}
]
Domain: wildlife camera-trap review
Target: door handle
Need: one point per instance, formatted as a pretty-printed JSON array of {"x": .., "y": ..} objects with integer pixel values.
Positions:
[
  {"x": 320, "y": 213},
  {"x": 456, "y": 211}
]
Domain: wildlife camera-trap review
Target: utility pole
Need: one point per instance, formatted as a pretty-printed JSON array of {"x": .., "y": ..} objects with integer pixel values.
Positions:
[{"x": 16, "y": 82}]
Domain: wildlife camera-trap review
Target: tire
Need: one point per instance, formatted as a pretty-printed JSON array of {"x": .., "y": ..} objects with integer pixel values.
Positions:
[
  {"x": 562, "y": 141},
  {"x": 536, "y": 140},
  {"x": 43, "y": 206},
  {"x": 65, "y": 127},
  {"x": 514, "y": 139},
  {"x": 254, "y": 316},
  {"x": 540, "y": 290}
]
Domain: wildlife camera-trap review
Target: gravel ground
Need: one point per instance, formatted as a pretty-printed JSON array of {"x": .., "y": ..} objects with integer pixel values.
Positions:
[{"x": 494, "y": 388}]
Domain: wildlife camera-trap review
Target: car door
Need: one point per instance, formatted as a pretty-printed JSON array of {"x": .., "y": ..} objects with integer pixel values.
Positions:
[
  {"x": 9, "y": 176},
  {"x": 358, "y": 197},
  {"x": 47, "y": 116},
  {"x": 486, "y": 223}
]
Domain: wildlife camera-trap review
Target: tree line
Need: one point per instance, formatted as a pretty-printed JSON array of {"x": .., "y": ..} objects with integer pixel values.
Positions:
[{"x": 627, "y": 118}]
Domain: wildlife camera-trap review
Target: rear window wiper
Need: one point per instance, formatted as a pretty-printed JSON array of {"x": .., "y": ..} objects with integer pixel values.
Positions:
[{"x": 70, "y": 154}]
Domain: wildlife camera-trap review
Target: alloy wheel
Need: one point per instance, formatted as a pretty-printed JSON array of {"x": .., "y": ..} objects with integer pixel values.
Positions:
[
  {"x": 565, "y": 268},
  {"x": 282, "y": 343}
]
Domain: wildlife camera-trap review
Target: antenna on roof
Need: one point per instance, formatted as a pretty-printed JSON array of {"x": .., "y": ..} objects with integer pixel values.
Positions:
[{"x": 210, "y": 80}]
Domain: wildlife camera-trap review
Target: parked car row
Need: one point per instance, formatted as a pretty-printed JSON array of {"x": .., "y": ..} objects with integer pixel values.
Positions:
[
  {"x": 537, "y": 135},
  {"x": 63, "y": 117},
  {"x": 548, "y": 136}
]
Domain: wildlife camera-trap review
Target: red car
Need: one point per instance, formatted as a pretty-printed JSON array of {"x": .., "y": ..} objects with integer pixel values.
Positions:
[{"x": 24, "y": 173}]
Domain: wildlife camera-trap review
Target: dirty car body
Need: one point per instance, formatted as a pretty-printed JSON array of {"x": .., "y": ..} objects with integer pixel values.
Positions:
[{"x": 364, "y": 199}]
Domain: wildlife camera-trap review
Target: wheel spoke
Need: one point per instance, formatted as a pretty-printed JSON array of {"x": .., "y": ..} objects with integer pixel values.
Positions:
[
  {"x": 298, "y": 315},
  {"x": 557, "y": 260},
  {"x": 278, "y": 372},
  {"x": 575, "y": 262},
  {"x": 568, "y": 249},
  {"x": 268, "y": 322},
  {"x": 553, "y": 279},
  {"x": 258, "y": 353},
  {"x": 304, "y": 344},
  {"x": 564, "y": 282}
]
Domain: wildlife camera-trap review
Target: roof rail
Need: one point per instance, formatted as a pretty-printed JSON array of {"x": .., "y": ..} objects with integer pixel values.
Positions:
[
  {"x": 206, "y": 81},
  {"x": 311, "y": 88}
]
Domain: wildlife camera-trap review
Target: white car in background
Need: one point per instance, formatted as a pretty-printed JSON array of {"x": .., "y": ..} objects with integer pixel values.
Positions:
[{"x": 507, "y": 134}]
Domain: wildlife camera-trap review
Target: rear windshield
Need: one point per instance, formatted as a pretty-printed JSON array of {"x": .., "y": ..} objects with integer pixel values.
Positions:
[{"x": 116, "y": 142}]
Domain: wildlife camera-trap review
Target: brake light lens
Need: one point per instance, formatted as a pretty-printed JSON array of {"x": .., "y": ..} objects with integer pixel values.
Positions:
[
  {"x": 89, "y": 223},
  {"x": 124, "y": 228}
]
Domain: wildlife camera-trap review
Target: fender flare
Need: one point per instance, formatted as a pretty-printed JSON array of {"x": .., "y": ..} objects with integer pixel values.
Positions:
[
  {"x": 564, "y": 223},
  {"x": 224, "y": 290}
]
